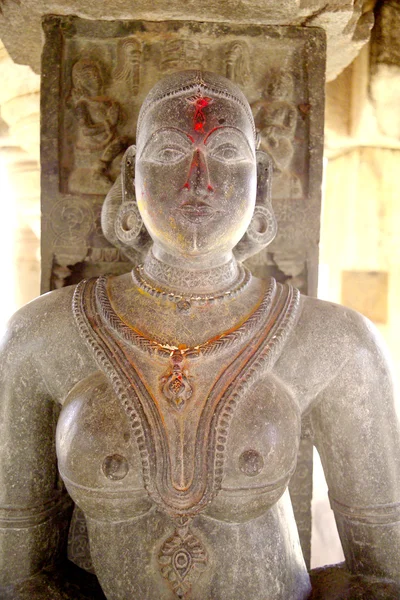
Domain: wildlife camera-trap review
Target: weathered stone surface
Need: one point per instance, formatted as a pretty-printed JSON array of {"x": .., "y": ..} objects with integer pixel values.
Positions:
[
  {"x": 346, "y": 26},
  {"x": 336, "y": 583},
  {"x": 183, "y": 386},
  {"x": 123, "y": 60},
  {"x": 288, "y": 111}
]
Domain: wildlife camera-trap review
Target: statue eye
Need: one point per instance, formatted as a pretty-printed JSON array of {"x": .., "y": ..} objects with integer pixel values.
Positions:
[
  {"x": 227, "y": 153},
  {"x": 168, "y": 155}
]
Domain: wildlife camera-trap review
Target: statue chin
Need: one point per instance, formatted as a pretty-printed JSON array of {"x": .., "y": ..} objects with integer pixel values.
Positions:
[{"x": 171, "y": 398}]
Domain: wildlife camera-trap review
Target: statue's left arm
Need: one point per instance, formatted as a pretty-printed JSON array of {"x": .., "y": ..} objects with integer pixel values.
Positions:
[{"x": 357, "y": 433}]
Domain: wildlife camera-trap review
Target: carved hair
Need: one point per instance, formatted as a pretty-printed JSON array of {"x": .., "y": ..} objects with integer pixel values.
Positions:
[
  {"x": 128, "y": 66},
  {"x": 185, "y": 82}
]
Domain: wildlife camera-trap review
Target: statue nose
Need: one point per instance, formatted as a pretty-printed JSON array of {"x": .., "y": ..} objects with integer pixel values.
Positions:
[{"x": 199, "y": 178}]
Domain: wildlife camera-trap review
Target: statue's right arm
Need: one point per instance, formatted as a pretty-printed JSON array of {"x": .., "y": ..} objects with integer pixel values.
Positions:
[
  {"x": 41, "y": 358},
  {"x": 34, "y": 510}
]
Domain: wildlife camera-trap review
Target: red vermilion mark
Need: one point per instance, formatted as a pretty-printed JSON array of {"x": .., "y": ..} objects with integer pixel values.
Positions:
[
  {"x": 198, "y": 165},
  {"x": 199, "y": 103}
]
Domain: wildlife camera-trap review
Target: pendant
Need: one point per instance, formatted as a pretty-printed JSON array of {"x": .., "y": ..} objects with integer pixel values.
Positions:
[
  {"x": 175, "y": 384},
  {"x": 182, "y": 558}
]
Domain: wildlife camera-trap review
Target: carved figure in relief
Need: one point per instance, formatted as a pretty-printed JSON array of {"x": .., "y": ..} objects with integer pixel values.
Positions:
[
  {"x": 238, "y": 62},
  {"x": 174, "y": 393},
  {"x": 275, "y": 117},
  {"x": 129, "y": 53},
  {"x": 98, "y": 116},
  {"x": 181, "y": 53}
]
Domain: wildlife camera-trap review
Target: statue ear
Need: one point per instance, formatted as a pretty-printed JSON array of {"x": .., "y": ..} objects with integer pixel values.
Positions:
[
  {"x": 128, "y": 222},
  {"x": 264, "y": 177},
  {"x": 128, "y": 174},
  {"x": 120, "y": 218},
  {"x": 262, "y": 228}
]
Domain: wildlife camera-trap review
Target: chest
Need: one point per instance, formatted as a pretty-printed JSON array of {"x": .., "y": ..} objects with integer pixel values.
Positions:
[{"x": 233, "y": 463}]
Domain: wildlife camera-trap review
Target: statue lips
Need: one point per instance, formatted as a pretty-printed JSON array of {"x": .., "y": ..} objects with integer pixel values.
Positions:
[{"x": 196, "y": 211}]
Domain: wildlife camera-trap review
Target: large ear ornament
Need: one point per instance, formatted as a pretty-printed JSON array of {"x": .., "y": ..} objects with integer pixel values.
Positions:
[
  {"x": 120, "y": 218},
  {"x": 262, "y": 228},
  {"x": 128, "y": 222}
]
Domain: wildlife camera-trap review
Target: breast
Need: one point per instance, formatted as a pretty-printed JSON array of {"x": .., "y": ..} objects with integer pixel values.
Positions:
[
  {"x": 261, "y": 452},
  {"x": 100, "y": 462},
  {"x": 98, "y": 458}
]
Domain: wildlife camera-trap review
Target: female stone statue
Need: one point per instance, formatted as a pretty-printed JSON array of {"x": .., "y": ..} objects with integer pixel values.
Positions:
[{"x": 182, "y": 385}]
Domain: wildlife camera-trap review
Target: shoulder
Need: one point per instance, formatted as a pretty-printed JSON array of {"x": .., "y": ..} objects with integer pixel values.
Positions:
[
  {"x": 326, "y": 339},
  {"x": 42, "y": 344},
  {"x": 46, "y": 318},
  {"x": 335, "y": 327}
]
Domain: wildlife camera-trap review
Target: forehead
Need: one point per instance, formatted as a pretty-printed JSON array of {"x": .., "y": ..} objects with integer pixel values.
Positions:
[{"x": 184, "y": 112}]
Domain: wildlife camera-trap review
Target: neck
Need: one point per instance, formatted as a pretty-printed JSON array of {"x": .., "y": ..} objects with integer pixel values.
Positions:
[{"x": 196, "y": 276}]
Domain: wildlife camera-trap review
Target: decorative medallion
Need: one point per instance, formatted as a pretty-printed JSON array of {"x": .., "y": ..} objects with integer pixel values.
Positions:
[
  {"x": 175, "y": 384},
  {"x": 182, "y": 559}
]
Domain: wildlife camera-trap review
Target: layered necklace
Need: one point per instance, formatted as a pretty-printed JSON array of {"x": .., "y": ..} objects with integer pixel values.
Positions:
[
  {"x": 175, "y": 383},
  {"x": 229, "y": 279}
]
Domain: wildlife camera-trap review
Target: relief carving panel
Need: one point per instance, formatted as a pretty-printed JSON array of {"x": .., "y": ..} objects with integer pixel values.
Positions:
[{"x": 95, "y": 77}]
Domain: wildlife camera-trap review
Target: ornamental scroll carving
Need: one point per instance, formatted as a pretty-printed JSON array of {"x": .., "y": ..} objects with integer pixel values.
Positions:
[
  {"x": 238, "y": 62},
  {"x": 129, "y": 53},
  {"x": 276, "y": 116}
]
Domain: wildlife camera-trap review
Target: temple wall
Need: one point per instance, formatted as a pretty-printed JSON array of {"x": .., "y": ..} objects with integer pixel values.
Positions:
[{"x": 360, "y": 250}]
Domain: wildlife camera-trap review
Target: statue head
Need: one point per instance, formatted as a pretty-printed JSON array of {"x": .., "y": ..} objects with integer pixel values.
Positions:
[
  {"x": 279, "y": 85},
  {"x": 195, "y": 178},
  {"x": 86, "y": 78}
]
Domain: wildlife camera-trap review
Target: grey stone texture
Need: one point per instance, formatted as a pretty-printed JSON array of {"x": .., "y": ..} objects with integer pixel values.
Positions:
[
  {"x": 347, "y": 23},
  {"x": 171, "y": 398},
  {"x": 281, "y": 72}
]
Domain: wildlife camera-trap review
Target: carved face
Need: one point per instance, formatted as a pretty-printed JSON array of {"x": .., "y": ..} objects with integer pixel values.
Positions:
[
  {"x": 279, "y": 85},
  {"x": 196, "y": 174},
  {"x": 86, "y": 77}
]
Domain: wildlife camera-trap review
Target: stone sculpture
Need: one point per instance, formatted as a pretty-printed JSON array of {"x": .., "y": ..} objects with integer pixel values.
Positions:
[
  {"x": 97, "y": 116},
  {"x": 128, "y": 68},
  {"x": 172, "y": 396},
  {"x": 275, "y": 118}
]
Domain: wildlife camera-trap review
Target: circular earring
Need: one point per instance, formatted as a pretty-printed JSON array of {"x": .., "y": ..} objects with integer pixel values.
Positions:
[
  {"x": 262, "y": 228},
  {"x": 128, "y": 222}
]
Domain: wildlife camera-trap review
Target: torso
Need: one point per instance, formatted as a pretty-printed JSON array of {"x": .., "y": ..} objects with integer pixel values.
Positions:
[{"x": 225, "y": 450}]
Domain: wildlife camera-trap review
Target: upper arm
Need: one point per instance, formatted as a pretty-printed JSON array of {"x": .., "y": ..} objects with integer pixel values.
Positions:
[
  {"x": 357, "y": 434},
  {"x": 32, "y": 503},
  {"x": 356, "y": 423},
  {"x": 27, "y": 425}
]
